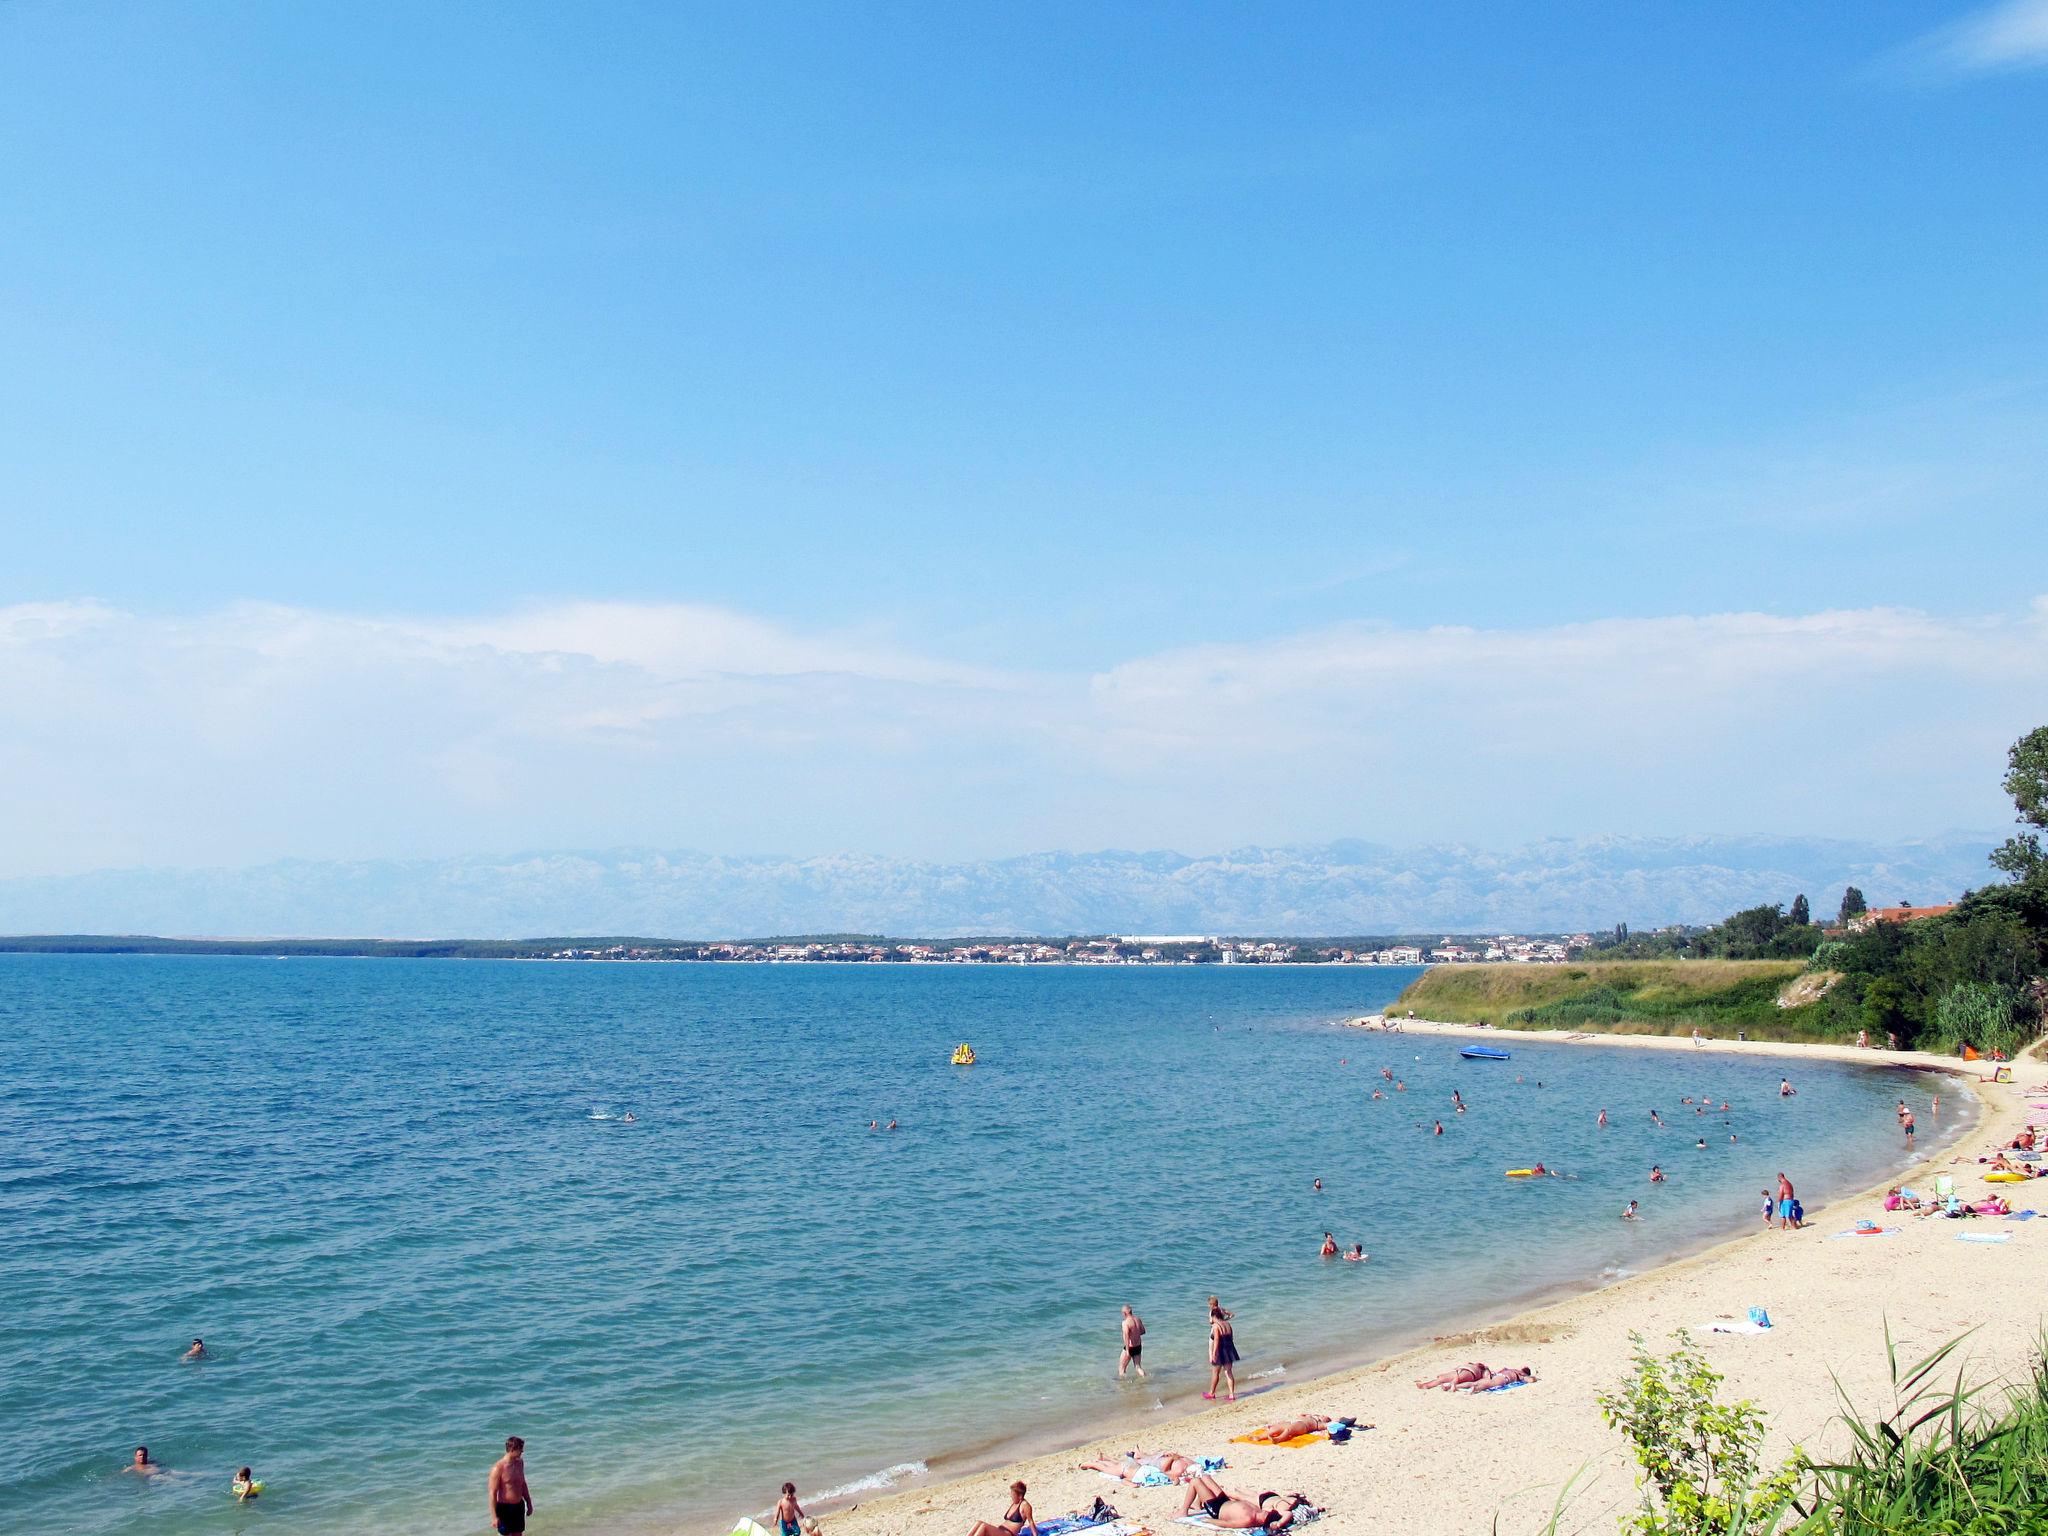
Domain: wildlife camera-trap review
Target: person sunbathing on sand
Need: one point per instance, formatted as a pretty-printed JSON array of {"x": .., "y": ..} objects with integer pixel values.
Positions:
[
  {"x": 1288, "y": 1429},
  {"x": 1133, "y": 1465},
  {"x": 1502, "y": 1378},
  {"x": 1239, "y": 1511},
  {"x": 1017, "y": 1518},
  {"x": 1461, "y": 1376}
]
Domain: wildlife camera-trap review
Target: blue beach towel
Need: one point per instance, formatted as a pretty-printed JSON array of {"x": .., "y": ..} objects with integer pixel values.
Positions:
[
  {"x": 2022, "y": 1215},
  {"x": 1982, "y": 1237},
  {"x": 1506, "y": 1386}
]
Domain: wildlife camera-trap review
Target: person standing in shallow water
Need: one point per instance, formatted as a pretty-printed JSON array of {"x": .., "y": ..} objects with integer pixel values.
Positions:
[
  {"x": 1222, "y": 1352},
  {"x": 1133, "y": 1355},
  {"x": 511, "y": 1499}
]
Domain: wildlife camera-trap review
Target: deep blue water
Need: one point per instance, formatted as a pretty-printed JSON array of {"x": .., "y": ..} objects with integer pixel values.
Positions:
[{"x": 377, "y": 1189}]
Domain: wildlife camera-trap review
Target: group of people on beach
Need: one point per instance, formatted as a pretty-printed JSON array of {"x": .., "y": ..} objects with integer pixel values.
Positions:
[{"x": 1223, "y": 1356}]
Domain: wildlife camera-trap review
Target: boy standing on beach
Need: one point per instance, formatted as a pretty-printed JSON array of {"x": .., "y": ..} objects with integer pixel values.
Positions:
[
  {"x": 511, "y": 1500},
  {"x": 1134, "y": 1344}
]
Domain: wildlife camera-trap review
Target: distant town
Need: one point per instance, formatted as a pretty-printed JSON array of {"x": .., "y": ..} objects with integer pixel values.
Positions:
[{"x": 1110, "y": 949}]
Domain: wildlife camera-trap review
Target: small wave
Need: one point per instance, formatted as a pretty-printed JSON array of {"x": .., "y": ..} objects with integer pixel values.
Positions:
[
  {"x": 1278, "y": 1370},
  {"x": 1615, "y": 1272},
  {"x": 888, "y": 1477}
]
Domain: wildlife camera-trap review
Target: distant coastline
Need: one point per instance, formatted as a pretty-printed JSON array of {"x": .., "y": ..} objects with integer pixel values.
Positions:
[{"x": 1402, "y": 950}]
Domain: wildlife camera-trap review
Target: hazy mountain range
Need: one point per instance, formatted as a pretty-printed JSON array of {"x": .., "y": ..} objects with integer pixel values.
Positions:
[{"x": 1331, "y": 889}]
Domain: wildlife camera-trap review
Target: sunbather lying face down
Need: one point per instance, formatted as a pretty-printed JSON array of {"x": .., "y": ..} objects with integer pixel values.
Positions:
[
  {"x": 1287, "y": 1429},
  {"x": 1456, "y": 1378},
  {"x": 1240, "y": 1511},
  {"x": 1505, "y": 1377}
]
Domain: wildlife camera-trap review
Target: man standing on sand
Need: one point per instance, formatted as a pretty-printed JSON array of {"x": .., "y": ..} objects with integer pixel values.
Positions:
[
  {"x": 1134, "y": 1345},
  {"x": 1784, "y": 1203},
  {"x": 511, "y": 1501}
]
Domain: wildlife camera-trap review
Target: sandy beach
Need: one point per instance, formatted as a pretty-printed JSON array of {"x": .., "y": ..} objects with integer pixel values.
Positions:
[{"x": 1439, "y": 1462}]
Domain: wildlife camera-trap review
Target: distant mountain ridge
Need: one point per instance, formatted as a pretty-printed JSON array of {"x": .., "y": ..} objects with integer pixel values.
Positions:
[{"x": 1345, "y": 887}]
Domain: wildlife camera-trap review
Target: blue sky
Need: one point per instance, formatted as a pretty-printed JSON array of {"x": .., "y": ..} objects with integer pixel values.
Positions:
[{"x": 987, "y": 366}]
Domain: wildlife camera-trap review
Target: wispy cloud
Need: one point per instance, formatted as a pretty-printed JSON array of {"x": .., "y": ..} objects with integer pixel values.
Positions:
[
  {"x": 2007, "y": 36},
  {"x": 256, "y": 731}
]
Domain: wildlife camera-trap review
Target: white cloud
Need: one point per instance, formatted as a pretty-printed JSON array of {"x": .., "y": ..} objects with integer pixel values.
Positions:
[
  {"x": 2009, "y": 35},
  {"x": 260, "y": 731}
]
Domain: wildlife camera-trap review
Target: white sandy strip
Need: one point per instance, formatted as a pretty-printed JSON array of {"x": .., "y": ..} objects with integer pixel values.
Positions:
[{"x": 1439, "y": 1464}]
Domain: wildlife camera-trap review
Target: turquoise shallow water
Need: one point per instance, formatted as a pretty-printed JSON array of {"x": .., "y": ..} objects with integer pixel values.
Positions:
[{"x": 378, "y": 1190}]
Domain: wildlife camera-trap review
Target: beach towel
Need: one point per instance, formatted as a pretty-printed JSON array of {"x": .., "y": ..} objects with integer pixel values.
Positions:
[
  {"x": 1308, "y": 1439},
  {"x": 2022, "y": 1215},
  {"x": 1506, "y": 1386},
  {"x": 1982, "y": 1237},
  {"x": 1867, "y": 1232}
]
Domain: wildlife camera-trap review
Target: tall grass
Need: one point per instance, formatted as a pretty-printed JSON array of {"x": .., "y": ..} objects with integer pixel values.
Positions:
[{"x": 1949, "y": 1458}]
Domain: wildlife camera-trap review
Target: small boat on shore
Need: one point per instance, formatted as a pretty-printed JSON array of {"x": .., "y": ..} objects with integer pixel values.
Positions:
[{"x": 1483, "y": 1053}]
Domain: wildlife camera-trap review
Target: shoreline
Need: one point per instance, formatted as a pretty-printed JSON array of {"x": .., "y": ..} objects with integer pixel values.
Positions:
[{"x": 1555, "y": 1333}]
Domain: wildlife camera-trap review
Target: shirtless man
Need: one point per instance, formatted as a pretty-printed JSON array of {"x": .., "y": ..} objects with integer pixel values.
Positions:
[
  {"x": 1134, "y": 1345},
  {"x": 511, "y": 1501},
  {"x": 142, "y": 1466},
  {"x": 1784, "y": 1203},
  {"x": 1906, "y": 1125},
  {"x": 196, "y": 1352},
  {"x": 1238, "y": 1511}
]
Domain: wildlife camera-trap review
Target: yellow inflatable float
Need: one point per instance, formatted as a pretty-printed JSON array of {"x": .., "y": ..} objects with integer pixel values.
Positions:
[
  {"x": 2005, "y": 1178},
  {"x": 963, "y": 1055}
]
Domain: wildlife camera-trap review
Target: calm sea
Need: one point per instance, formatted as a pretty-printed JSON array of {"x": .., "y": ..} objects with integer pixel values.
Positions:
[{"x": 400, "y": 1202}]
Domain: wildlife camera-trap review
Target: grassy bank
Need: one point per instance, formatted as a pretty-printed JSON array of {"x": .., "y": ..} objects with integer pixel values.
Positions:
[{"x": 1631, "y": 996}]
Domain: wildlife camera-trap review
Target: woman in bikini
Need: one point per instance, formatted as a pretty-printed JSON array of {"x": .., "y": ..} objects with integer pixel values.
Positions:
[
  {"x": 1510, "y": 1376},
  {"x": 1222, "y": 1351},
  {"x": 1016, "y": 1519},
  {"x": 1289, "y": 1429},
  {"x": 1462, "y": 1376}
]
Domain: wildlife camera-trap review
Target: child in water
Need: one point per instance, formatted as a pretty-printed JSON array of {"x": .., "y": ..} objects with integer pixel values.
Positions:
[{"x": 245, "y": 1487}]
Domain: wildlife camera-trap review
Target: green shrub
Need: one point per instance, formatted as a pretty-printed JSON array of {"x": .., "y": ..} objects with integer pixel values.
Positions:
[{"x": 1699, "y": 1456}]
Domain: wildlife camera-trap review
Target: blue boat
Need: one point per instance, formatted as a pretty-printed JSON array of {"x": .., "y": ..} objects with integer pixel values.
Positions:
[{"x": 1483, "y": 1053}]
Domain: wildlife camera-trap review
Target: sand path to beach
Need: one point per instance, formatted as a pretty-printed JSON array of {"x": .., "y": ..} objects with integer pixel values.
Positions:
[{"x": 1442, "y": 1464}]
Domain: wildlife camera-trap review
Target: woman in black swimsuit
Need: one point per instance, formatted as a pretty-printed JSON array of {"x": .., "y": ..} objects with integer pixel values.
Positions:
[
  {"x": 1222, "y": 1351},
  {"x": 1016, "y": 1520}
]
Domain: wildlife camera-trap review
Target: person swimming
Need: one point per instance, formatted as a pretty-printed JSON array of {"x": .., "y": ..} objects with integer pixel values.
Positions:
[
  {"x": 1656, "y": 1174},
  {"x": 196, "y": 1352},
  {"x": 1629, "y": 1212},
  {"x": 1603, "y": 1118},
  {"x": 1439, "y": 1129},
  {"x": 1356, "y": 1254},
  {"x": 245, "y": 1487},
  {"x": 1329, "y": 1249},
  {"x": 142, "y": 1466}
]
